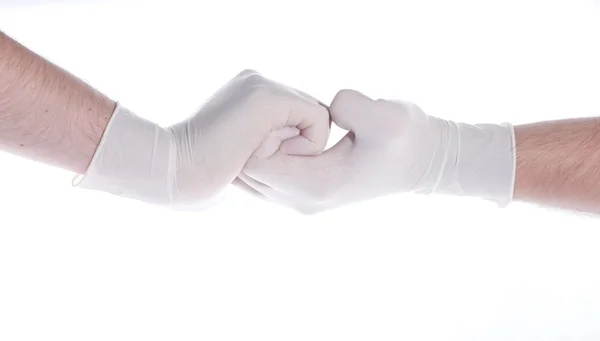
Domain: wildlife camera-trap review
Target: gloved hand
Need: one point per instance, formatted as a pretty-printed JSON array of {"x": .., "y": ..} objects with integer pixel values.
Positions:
[
  {"x": 391, "y": 147},
  {"x": 189, "y": 164}
]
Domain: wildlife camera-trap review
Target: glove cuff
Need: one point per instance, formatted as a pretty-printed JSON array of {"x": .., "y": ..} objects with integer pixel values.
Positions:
[
  {"x": 134, "y": 159},
  {"x": 475, "y": 161}
]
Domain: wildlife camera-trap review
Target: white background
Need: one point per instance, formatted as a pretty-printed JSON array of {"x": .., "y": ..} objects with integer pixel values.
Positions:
[{"x": 76, "y": 265}]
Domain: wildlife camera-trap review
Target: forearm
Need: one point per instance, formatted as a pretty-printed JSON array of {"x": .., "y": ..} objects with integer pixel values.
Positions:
[
  {"x": 47, "y": 114},
  {"x": 558, "y": 164}
]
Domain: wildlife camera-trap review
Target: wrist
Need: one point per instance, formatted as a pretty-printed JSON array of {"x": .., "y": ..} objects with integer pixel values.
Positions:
[
  {"x": 473, "y": 160},
  {"x": 134, "y": 159}
]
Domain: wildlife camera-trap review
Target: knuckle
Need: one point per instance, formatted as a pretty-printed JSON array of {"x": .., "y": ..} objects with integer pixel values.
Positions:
[
  {"x": 252, "y": 82},
  {"x": 256, "y": 87},
  {"x": 249, "y": 79},
  {"x": 323, "y": 113},
  {"x": 319, "y": 117},
  {"x": 247, "y": 73}
]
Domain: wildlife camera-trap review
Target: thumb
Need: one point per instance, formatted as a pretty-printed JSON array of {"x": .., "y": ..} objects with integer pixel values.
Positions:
[
  {"x": 374, "y": 120},
  {"x": 353, "y": 111}
]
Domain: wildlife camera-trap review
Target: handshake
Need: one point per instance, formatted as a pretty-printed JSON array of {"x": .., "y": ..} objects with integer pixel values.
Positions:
[{"x": 270, "y": 139}]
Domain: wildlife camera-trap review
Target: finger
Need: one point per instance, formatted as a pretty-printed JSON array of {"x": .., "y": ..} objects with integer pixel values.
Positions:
[
  {"x": 257, "y": 186},
  {"x": 313, "y": 121},
  {"x": 349, "y": 110},
  {"x": 273, "y": 141},
  {"x": 374, "y": 120},
  {"x": 246, "y": 188},
  {"x": 300, "y": 145},
  {"x": 269, "y": 194},
  {"x": 305, "y": 177}
]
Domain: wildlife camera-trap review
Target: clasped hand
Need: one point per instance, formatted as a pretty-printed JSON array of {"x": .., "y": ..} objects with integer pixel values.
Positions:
[{"x": 270, "y": 139}]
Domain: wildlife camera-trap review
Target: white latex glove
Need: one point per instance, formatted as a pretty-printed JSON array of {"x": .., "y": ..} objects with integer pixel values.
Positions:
[
  {"x": 190, "y": 163},
  {"x": 392, "y": 147}
]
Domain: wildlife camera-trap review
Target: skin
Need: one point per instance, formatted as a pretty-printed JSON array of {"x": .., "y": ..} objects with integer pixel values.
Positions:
[
  {"x": 558, "y": 164},
  {"x": 47, "y": 114}
]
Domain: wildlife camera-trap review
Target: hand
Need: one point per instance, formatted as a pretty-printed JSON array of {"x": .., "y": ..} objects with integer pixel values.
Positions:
[
  {"x": 391, "y": 147},
  {"x": 190, "y": 163}
]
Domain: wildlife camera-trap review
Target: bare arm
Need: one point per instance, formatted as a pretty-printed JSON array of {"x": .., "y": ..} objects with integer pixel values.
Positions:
[
  {"x": 47, "y": 114},
  {"x": 558, "y": 164}
]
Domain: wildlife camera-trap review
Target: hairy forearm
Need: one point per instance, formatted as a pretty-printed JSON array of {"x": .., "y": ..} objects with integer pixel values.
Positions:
[
  {"x": 47, "y": 114},
  {"x": 558, "y": 164}
]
